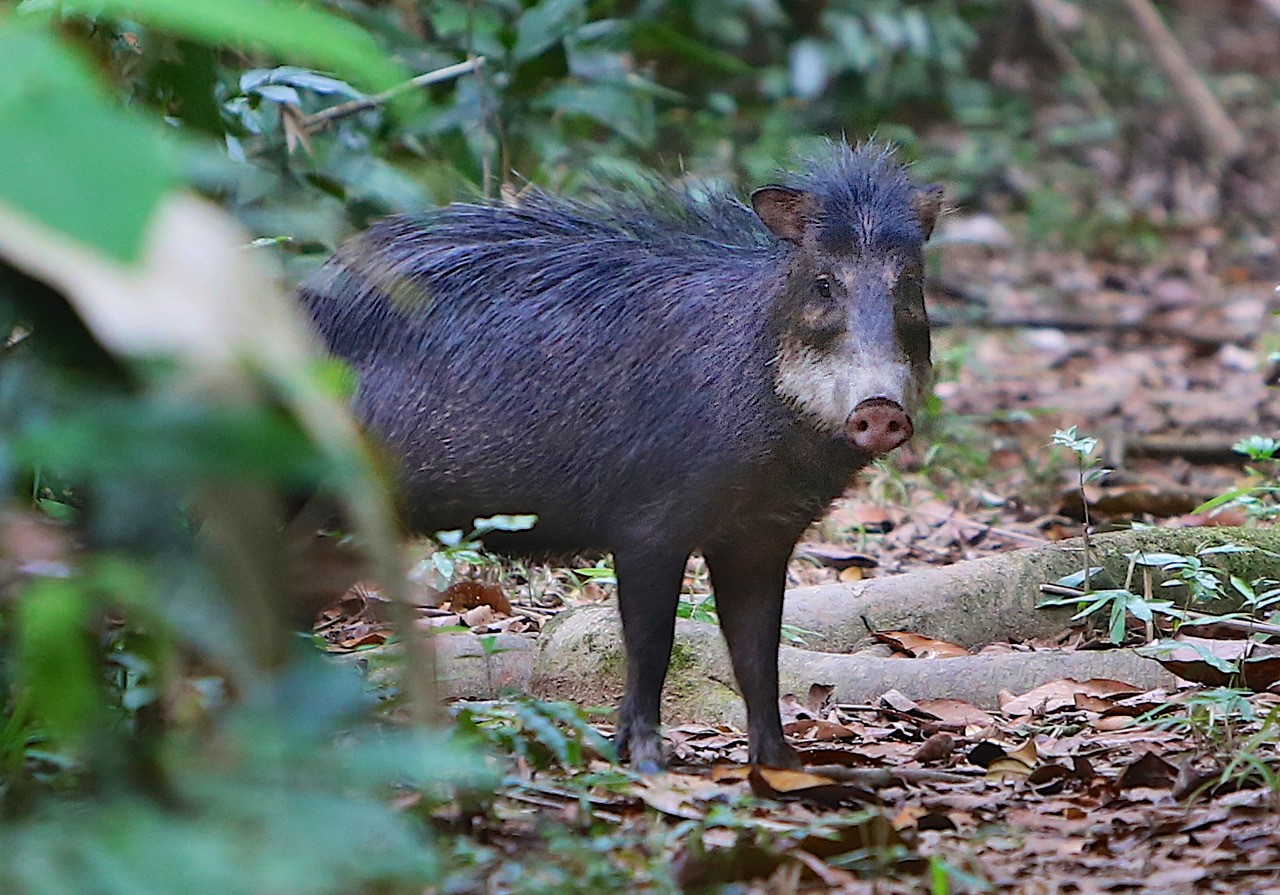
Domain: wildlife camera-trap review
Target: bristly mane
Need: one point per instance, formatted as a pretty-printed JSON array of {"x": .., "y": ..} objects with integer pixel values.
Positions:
[
  {"x": 863, "y": 198},
  {"x": 548, "y": 250}
]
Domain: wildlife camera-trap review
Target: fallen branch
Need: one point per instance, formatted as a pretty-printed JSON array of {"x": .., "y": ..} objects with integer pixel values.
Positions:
[
  {"x": 1200, "y": 336},
  {"x": 995, "y": 598},
  {"x": 1048, "y": 30},
  {"x": 1193, "y": 450},
  {"x": 1220, "y": 136},
  {"x": 580, "y": 658},
  {"x": 342, "y": 110},
  {"x": 879, "y": 778},
  {"x": 975, "y": 525}
]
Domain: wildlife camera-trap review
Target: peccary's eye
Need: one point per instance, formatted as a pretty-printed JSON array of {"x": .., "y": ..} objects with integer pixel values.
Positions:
[{"x": 824, "y": 286}]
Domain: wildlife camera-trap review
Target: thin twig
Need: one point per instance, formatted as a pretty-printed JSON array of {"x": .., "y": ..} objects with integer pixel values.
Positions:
[
  {"x": 1238, "y": 624},
  {"x": 1058, "y": 590},
  {"x": 342, "y": 110},
  {"x": 1219, "y": 134},
  {"x": 974, "y": 524},
  {"x": 1061, "y": 50},
  {"x": 882, "y": 777},
  {"x": 1199, "y": 336}
]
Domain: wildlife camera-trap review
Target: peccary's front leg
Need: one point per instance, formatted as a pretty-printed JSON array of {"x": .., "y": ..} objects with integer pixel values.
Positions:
[
  {"x": 749, "y": 577},
  {"x": 648, "y": 591}
]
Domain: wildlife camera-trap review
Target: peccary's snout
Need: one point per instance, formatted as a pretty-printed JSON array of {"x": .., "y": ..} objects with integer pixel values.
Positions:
[{"x": 878, "y": 425}]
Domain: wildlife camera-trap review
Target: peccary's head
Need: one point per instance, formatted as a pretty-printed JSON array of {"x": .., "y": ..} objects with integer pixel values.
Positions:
[{"x": 853, "y": 350}]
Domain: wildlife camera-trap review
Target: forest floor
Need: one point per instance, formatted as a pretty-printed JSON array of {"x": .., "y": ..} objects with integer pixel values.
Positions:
[
  {"x": 1074, "y": 787},
  {"x": 1144, "y": 333}
]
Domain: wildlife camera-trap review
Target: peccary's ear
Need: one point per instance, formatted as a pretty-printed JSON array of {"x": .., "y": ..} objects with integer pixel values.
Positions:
[
  {"x": 783, "y": 210},
  {"x": 927, "y": 202}
]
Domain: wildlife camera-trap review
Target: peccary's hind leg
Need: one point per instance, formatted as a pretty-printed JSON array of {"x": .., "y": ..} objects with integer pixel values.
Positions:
[
  {"x": 648, "y": 590},
  {"x": 749, "y": 577}
]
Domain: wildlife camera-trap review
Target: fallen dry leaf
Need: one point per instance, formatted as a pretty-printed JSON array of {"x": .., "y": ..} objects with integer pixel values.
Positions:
[
  {"x": 465, "y": 595},
  {"x": 937, "y": 748},
  {"x": 919, "y": 647},
  {"x": 1061, "y": 694},
  {"x": 1259, "y": 663},
  {"x": 955, "y": 714}
]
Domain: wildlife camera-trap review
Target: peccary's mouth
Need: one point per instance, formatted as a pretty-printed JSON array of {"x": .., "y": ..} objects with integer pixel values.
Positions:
[{"x": 878, "y": 425}]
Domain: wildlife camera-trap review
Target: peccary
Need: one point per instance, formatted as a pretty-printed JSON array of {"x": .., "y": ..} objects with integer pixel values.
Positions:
[{"x": 651, "y": 374}]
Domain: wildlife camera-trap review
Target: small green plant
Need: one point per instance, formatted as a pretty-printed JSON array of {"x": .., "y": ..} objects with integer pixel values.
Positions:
[
  {"x": 1214, "y": 717},
  {"x": 1254, "y": 762},
  {"x": 698, "y": 607},
  {"x": 1117, "y": 603},
  {"x": 1260, "y": 497},
  {"x": 457, "y": 548},
  {"x": 945, "y": 877},
  {"x": 543, "y": 734},
  {"x": 1088, "y": 470},
  {"x": 1195, "y": 574},
  {"x": 601, "y": 573},
  {"x": 1211, "y": 715}
]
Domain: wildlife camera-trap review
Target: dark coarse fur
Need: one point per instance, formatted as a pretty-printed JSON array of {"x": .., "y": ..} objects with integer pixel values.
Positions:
[{"x": 607, "y": 365}]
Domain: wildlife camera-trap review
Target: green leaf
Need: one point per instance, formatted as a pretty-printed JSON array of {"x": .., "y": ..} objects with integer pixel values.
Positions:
[
  {"x": 301, "y": 78},
  {"x": 1049, "y": 602},
  {"x": 57, "y": 664},
  {"x": 1226, "y": 497},
  {"x": 543, "y": 25},
  {"x": 1156, "y": 560},
  {"x": 70, "y": 158},
  {"x": 1119, "y": 617},
  {"x": 299, "y": 33},
  {"x": 1140, "y": 609},
  {"x": 619, "y": 109},
  {"x": 1076, "y": 579},
  {"x": 336, "y": 378},
  {"x": 56, "y": 509},
  {"x": 1244, "y": 589},
  {"x": 653, "y": 38},
  {"x": 173, "y": 443},
  {"x": 1224, "y": 665},
  {"x": 1225, "y": 549}
]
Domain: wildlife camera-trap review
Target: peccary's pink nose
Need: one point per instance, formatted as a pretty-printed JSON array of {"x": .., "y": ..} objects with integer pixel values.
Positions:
[{"x": 879, "y": 425}]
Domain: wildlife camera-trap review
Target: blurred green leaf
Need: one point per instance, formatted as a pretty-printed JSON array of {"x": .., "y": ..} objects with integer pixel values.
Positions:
[
  {"x": 652, "y": 37},
  {"x": 622, "y": 111},
  {"x": 58, "y": 666},
  {"x": 175, "y": 442},
  {"x": 70, "y": 157},
  {"x": 543, "y": 25},
  {"x": 299, "y": 32}
]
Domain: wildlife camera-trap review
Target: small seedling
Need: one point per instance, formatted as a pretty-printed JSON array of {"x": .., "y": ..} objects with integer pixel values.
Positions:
[
  {"x": 1088, "y": 470},
  {"x": 456, "y": 548},
  {"x": 1260, "y": 497},
  {"x": 601, "y": 573}
]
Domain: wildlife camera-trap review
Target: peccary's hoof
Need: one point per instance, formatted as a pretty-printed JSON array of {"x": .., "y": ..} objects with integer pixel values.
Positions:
[
  {"x": 776, "y": 755},
  {"x": 640, "y": 748}
]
